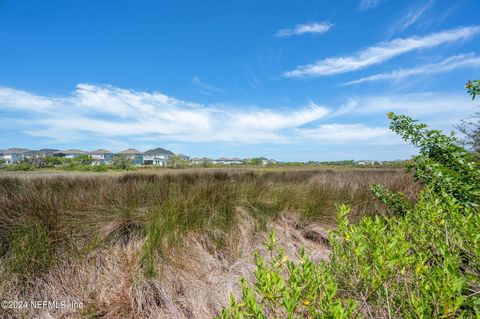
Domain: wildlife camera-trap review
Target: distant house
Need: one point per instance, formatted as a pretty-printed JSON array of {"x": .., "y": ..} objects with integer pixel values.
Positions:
[
  {"x": 157, "y": 156},
  {"x": 70, "y": 153},
  {"x": 228, "y": 161},
  {"x": 44, "y": 152},
  {"x": 135, "y": 155},
  {"x": 199, "y": 161},
  {"x": 14, "y": 155},
  {"x": 266, "y": 161},
  {"x": 101, "y": 156},
  {"x": 183, "y": 157},
  {"x": 365, "y": 162}
]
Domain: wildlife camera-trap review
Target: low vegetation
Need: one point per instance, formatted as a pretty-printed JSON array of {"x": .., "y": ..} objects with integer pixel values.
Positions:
[
  {"x": 421, "y": 261},
  {"x": 48, "y": 222}
]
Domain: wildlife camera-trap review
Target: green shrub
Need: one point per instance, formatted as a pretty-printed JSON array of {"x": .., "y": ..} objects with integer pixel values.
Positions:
[
  {"x": 473, "y": 88},
  {"x": 21, "y": 166},
  {"x": 395, "y": 201},
  {"x": 177, "y": 162},
  {"x": 99, "y": 168},
  {"x": 421, "y": 263},
  {"x": 284, "y": 289},
  {"x": 442, "y": 163},
  {"x": 122, "y": 162}
]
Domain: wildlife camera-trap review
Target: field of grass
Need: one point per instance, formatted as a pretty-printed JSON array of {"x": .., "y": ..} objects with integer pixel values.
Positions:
[{"x": 53, "y": 224}]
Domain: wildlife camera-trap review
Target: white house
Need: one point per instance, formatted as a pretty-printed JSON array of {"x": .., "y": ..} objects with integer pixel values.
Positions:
[
  {"x": 366, "y": 162},
  {"x": 266, "y": 161},
  {"x": 201, "y": 161},
  {"x": 13, "y": 155},
  {"x": 101, "y": 156},
  {"x": 44, "y": 152},
  {"x": 70, "y": 153},
  {"x": 228, "y": 161},
  {"x": 135, "y": 155},
  {"x": 157, "y": 156}
]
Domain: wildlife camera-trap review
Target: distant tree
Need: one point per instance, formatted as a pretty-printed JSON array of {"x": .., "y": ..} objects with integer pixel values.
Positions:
[
  {"x": 20, "y": 166},
  {"x": 470, "y": 127},
  {"x": 254, "y": 161},
  {"x": 37, "y": 162},
  {"x": 83, "y": 159},
  {"x": 177, "y": 162},
  {"x": 122, "y": 161},
  {"x": 54, "y": 161}
]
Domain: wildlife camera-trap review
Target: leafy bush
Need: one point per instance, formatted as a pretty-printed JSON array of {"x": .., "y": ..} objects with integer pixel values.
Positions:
[
  {"x": 473, "y": 88},
  {"x": 284, "y": 289},
  {"x": 83, "y": 159},
  {"x": 21, "y": 166},
  {"x": 122, "y": 161},
  {"x": 442, "y": 163},
  {"x": 99, "y": 168},
  {"x": 422, "y": 263},
  {"x": 470, "y": 127},
  {"x": 177, "y": 162}
]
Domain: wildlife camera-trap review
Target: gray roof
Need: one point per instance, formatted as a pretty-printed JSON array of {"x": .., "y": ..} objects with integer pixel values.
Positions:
[
  {"x": 15, "y": 151},
  {"x": 71, "y": 152},
  {"x": 228, "y": 159},
  {"x": 43, "y": 151},
  {"x": 130, "y": 151},
  {"x": 101, "y": 151},
  {"x": 157, "y": 151},
  {"x": 201, "y": 159}
]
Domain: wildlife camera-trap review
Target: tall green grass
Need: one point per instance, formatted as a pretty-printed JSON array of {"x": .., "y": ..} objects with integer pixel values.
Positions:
[{"x": 73, "y": 215}]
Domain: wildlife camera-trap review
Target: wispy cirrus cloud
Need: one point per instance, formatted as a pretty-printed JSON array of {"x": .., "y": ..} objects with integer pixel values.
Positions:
[
  {"x": 411, "y": 16},
  {"x": 380, "y": 53},
  {"x": 205, "y": 88},
  {"x": 449, "y": 64},
  {"x": 369, "y": 4},
  {"x": 300, "y": 29}
]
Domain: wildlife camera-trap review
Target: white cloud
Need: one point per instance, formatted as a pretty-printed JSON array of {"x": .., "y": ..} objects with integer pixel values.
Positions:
[
  {"x": 381, "y": 53},
  {"x": 93, "y": 111},
  {"x": 428, "y": 106},
  {"x": 449, "y": 64},
  {"x": 205, "y": 88},
  {"x": 22, "y": 100},
  {"x": 335, "y": 133},
  {"x": 102, "y": 114},
  {"x": 439, "y": 110},
  {"x": 316, "y": 28},
  {"x": 274, "y": 120},
  {"x": 411, "y": 16},
  {"x": 369, "y": 4}
]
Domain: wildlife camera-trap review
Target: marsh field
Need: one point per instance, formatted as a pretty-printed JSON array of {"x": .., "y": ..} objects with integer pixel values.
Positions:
[{"x": 166, "y": 244}]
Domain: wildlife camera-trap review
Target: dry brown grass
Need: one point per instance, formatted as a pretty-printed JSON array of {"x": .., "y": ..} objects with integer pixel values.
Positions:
[{"x": 168, "y": 245}]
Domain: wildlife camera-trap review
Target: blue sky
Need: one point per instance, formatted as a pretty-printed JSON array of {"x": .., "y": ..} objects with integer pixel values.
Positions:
[{"x": 290, "y": 80}]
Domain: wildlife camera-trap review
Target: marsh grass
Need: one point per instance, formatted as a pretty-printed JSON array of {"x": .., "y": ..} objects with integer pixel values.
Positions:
[
  {"x": 44, "y": 219},
  {"x": 30, "y": 250}
]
